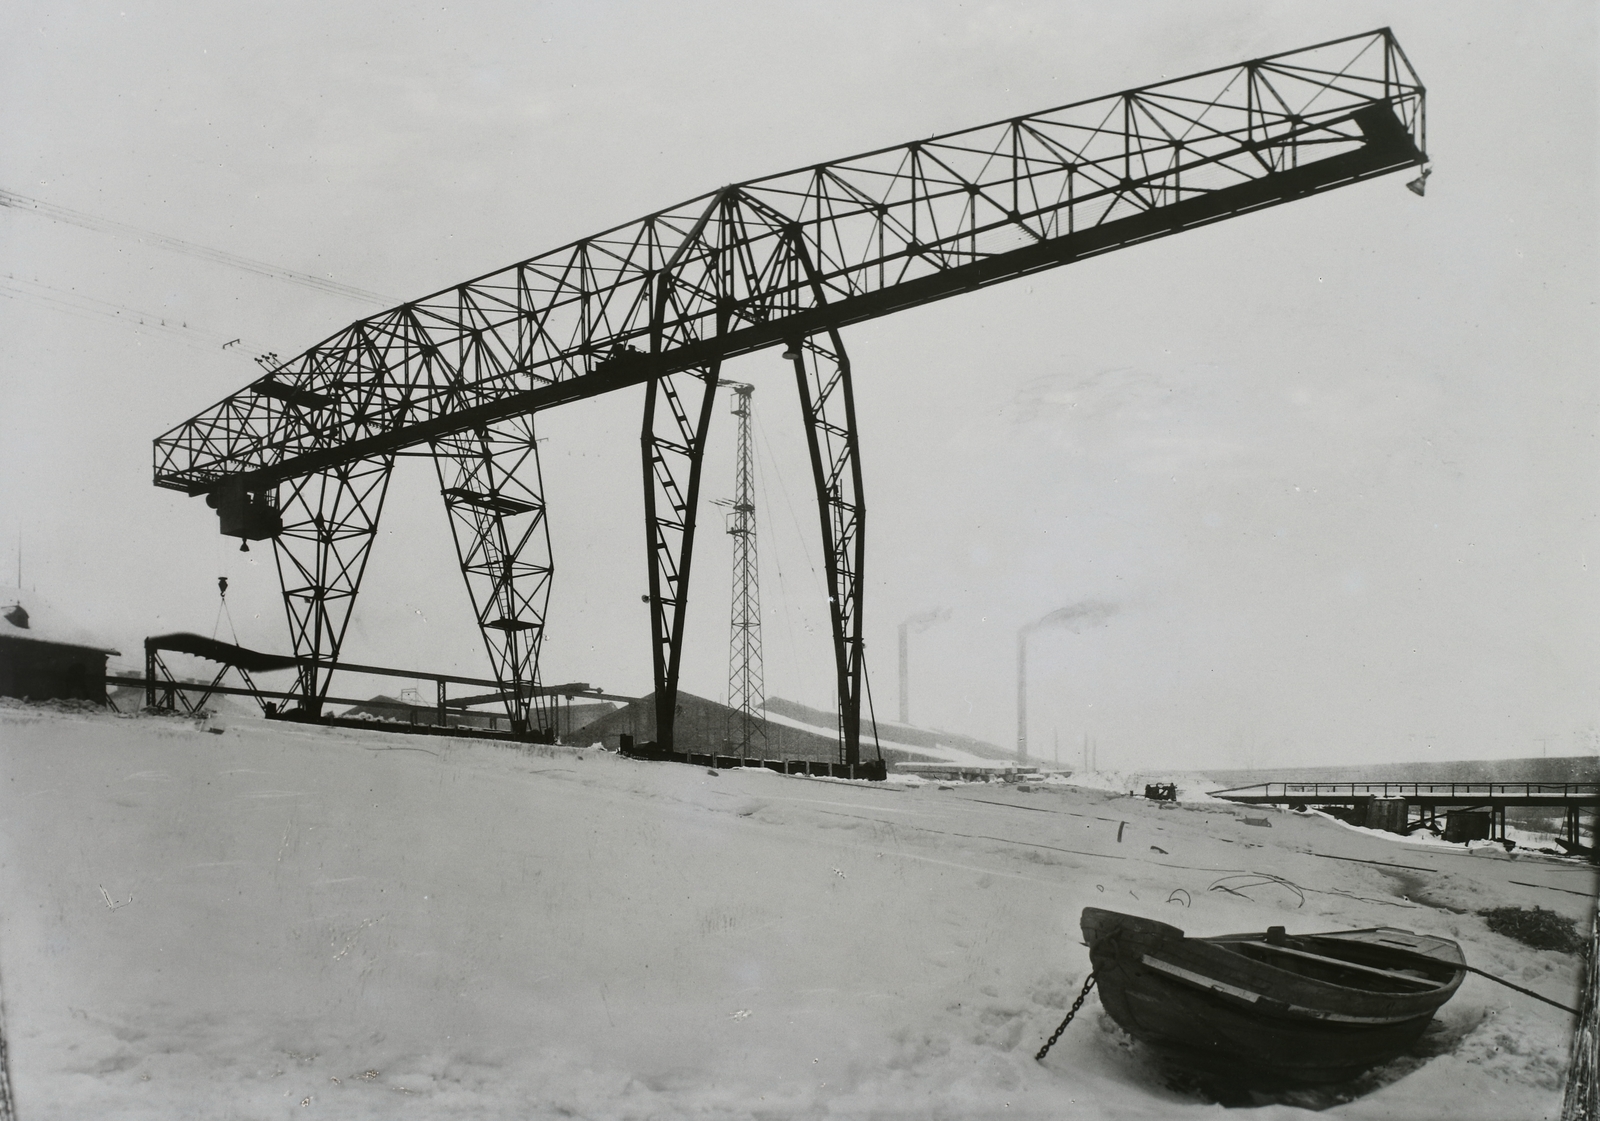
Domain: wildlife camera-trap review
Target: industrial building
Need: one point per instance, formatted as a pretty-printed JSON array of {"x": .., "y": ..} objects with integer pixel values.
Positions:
[{"x": 45, "y": 656}]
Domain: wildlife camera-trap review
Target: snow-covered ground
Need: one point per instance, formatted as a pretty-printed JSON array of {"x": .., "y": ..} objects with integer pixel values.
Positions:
[{"x": 277, "y": 921}]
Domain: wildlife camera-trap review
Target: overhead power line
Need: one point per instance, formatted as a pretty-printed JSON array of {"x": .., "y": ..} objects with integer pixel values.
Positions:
[
  {"x": 75, "y": 303},
  {"x": 178, "y": 245}
]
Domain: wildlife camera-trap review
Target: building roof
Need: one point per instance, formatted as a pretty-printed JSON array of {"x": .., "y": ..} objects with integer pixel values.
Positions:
[
  {"x": 927, "y": 743},
  {"x": 39, "y": 621},
  {"x": 226, "y": 653}
]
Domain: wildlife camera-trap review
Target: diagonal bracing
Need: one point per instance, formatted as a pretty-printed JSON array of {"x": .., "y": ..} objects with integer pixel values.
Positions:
[
  {"x": 329, "y": 521},
  {"x": 494, "y": 493}
]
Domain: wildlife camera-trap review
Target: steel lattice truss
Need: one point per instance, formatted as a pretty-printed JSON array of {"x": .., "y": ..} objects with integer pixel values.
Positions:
[
  {"x": 493, "y": 488},
  {"x": 747, "y": 722},
  {"x": 885, "y": 230},
  {"x": 793, "y": 257},
  {"x": 329, "y": 522}
]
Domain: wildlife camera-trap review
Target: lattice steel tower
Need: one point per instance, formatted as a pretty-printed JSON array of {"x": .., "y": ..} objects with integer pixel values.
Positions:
[{"x": 747, "y": 725}]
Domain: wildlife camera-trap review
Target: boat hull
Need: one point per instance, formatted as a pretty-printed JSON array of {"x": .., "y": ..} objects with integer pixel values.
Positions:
[{"x": 1208, "y": 1007}]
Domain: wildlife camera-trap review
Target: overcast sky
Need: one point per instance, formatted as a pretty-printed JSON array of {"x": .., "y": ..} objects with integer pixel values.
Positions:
[{"x": 1332, "y": 466}]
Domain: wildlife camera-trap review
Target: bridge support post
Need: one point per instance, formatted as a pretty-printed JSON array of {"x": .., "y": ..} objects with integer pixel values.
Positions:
[
  {"x": 677, "y": 415},
  {"x": 150, "y": 676},
  {"x": 494, "y": 493},
  {"x": 822, "y": 373},
  {"x": 330, "y": 518}
]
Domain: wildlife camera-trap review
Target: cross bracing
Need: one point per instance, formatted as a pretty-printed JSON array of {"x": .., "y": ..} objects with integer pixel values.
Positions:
[{"x": 792, "y": 258}]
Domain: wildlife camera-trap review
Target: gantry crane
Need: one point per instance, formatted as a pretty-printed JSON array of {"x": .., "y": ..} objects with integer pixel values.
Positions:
[{"x": 303, "y": 455}]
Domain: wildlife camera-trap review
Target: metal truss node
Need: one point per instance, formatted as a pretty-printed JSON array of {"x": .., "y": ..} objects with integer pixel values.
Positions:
[{"x": 494, "y": 493}]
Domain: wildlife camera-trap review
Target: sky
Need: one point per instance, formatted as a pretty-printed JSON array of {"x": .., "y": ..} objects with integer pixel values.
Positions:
[{"x": 1327, "y": 473}]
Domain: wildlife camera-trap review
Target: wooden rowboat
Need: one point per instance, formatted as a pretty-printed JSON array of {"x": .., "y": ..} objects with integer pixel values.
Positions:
[{"x": 1272, "y": 1008}]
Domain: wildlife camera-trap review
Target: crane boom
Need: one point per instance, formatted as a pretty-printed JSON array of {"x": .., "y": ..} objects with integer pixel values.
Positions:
[{"x": 770, "y": 260}]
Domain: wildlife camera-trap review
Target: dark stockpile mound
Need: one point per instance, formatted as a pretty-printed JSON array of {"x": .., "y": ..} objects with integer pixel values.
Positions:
[{"x": 1543, "y": 930}]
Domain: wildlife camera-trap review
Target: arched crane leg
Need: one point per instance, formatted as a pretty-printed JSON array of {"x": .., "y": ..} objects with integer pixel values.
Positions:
[
  {"x": 329, "y": 520},
  {"x": 822, "y": 371},
  {"x": 677, "y": 413},
  {"x": 494, "y": 492}
]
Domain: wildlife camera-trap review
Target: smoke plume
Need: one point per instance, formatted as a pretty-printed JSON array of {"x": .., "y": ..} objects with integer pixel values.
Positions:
[
  {"x": 921, "y": 621},
  {"x": 1077, "y": 616}
]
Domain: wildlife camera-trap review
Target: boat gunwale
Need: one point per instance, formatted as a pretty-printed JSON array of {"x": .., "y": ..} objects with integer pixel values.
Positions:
[
  {"x": 1270, "y": 1007},
  {"x": 1425, "y": 983}
]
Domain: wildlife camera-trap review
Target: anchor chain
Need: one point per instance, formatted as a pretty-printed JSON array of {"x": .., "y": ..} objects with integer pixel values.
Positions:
[{"x": 1077, "y": 1004}]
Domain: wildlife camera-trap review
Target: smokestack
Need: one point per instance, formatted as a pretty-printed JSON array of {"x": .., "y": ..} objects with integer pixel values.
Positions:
[
  {"x": 1074, "y": 618},
  {"x": 915, "y": 624},
  {"x": 905, "y": 678},
  {"x": 1022, "y": 694}
]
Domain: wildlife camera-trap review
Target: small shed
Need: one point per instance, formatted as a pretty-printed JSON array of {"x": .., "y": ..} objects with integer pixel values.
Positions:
[{"x": 44, "y": 655}]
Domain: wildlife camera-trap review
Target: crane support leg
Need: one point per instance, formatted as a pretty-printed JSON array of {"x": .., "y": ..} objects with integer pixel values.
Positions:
[
  {"x": 329, "y": 520},
  {"x": 822, "y": 372},
  {"x": 677, "y": 413},
  {"x": 494, "y": 493}
]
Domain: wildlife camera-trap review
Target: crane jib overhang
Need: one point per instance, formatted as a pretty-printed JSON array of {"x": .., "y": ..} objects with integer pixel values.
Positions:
[
  {"x": 1372, "y": 159},
  {"x": 1387, "y": 146}
]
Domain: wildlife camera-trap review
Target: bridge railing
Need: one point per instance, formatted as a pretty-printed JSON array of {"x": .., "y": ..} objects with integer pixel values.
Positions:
[{"x": 1316, "y": 791}]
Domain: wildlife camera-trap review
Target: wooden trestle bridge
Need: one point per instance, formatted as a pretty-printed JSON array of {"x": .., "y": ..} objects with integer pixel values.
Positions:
[{"x": 1416, "y": 805}]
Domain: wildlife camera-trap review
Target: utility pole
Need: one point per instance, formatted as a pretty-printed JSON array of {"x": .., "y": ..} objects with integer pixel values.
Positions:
[
  {"x": 1073, "y": 618},
  {"x": 746, "y": 690}
]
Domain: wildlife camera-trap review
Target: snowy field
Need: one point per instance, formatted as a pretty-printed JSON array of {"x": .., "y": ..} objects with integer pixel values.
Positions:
[{"x": 269, "y": 922}]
